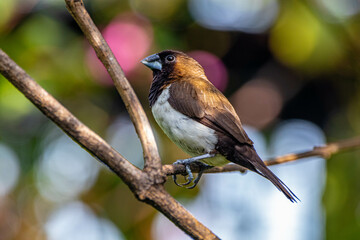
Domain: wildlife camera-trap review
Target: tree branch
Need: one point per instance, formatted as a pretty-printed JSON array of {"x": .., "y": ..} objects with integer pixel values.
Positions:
[
  {"x": 133, "y": 106},
  {"x": 67, "y": 122},
  {"x": 325, "y": 151},
  {"x": 144, "y": 187},
  {"x": 147, "y": 185}
]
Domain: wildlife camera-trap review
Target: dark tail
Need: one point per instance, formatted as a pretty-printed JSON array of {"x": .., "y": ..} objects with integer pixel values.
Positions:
[
  {"x": 265, "y": 172},
  {"x": 251, "y": 160}
]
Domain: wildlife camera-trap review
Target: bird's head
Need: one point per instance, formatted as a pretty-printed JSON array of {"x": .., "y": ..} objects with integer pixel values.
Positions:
[{"x": 171, "y": 63}]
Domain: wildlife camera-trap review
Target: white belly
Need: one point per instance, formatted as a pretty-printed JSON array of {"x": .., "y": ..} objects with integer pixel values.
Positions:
[{"x": 191, "y": 136}]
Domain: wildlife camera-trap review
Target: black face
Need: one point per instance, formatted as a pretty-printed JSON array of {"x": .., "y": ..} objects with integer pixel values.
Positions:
[
  {"x": 162, "y": 64},
  {"x": 168, "y": 59}
]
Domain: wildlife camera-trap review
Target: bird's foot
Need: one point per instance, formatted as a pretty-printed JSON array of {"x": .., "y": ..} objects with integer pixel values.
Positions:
[{"x": 187, "y": 162}]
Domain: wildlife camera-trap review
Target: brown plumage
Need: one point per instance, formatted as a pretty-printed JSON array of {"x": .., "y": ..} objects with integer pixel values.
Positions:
[{"x": 181, "y": 81}]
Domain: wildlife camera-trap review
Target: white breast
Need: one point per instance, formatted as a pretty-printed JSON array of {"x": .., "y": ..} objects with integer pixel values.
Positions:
[{"x": 193, "y": 137}]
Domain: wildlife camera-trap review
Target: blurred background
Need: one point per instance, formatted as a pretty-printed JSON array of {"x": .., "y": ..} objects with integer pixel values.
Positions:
[{"x": 290, "y": 68}]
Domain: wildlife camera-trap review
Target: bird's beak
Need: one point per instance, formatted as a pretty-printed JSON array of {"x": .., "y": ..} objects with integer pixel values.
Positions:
[{"x": 152, "y": 62}]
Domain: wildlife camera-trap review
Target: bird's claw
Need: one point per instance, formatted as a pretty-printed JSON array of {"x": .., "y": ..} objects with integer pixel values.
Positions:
[{"x": 190, "y": 176}]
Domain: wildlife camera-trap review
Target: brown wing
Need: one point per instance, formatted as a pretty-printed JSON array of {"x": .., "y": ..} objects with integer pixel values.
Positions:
[{"x": 200, "y": 100}]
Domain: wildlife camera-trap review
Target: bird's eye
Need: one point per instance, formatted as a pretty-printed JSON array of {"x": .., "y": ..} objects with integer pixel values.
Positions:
[{"x": 170, "y": 58}]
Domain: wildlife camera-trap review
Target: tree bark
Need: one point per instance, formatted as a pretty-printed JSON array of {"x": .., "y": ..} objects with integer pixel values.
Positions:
[{"x": 146, "y": 184}]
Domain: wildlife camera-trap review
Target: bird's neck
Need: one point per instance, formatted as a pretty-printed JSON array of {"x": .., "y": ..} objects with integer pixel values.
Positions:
[{"x": 158, "y": 84}]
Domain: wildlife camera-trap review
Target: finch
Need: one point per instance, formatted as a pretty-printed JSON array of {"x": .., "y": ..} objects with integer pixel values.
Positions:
[{"x": 199, "y": 119}]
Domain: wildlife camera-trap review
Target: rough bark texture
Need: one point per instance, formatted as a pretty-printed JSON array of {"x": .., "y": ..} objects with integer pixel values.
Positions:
[{"x": 147, "y": 184}]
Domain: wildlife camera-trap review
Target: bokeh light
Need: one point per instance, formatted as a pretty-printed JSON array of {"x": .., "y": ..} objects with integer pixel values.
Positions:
[
  {"x": 311, "y": 47},
  {"x": 65, "y": 170},
  {"x": 276, "y": 61},
  {"x": 305, "y": 221},
  {"x": 258, "y": 103},
  {"x": 130, "y": 38},
  {"x": 214, "y": 68},
  {"x": 9, "y": 170},
  {"x": 235, "y": 15},
  {"x": 339, "y": 9},
  {"x": 76, "y": 221},
  {"x": 122, "y": 136}
]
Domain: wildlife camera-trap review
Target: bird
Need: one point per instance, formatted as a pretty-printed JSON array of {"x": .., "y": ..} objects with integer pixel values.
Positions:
[{"x": 199, "y": 119}]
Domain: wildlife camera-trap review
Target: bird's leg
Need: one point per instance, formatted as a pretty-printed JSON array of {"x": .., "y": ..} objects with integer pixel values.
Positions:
[{"x": 187, "y": 163}]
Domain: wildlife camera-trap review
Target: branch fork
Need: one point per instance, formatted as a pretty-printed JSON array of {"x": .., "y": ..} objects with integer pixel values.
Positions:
[{"x": 147, "y": 184}]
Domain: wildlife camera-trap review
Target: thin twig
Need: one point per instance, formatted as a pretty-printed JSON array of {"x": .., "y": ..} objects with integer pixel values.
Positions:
[
  {"x": 147, "y": 185},
  {"x": 325, "y": 151},
  {"x": 180, "y": 169},
  {"x": 133, "y": 106}
]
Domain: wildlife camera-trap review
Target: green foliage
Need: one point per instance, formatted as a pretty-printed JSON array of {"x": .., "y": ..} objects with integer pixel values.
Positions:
[{"x": 320, "y": 55}]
